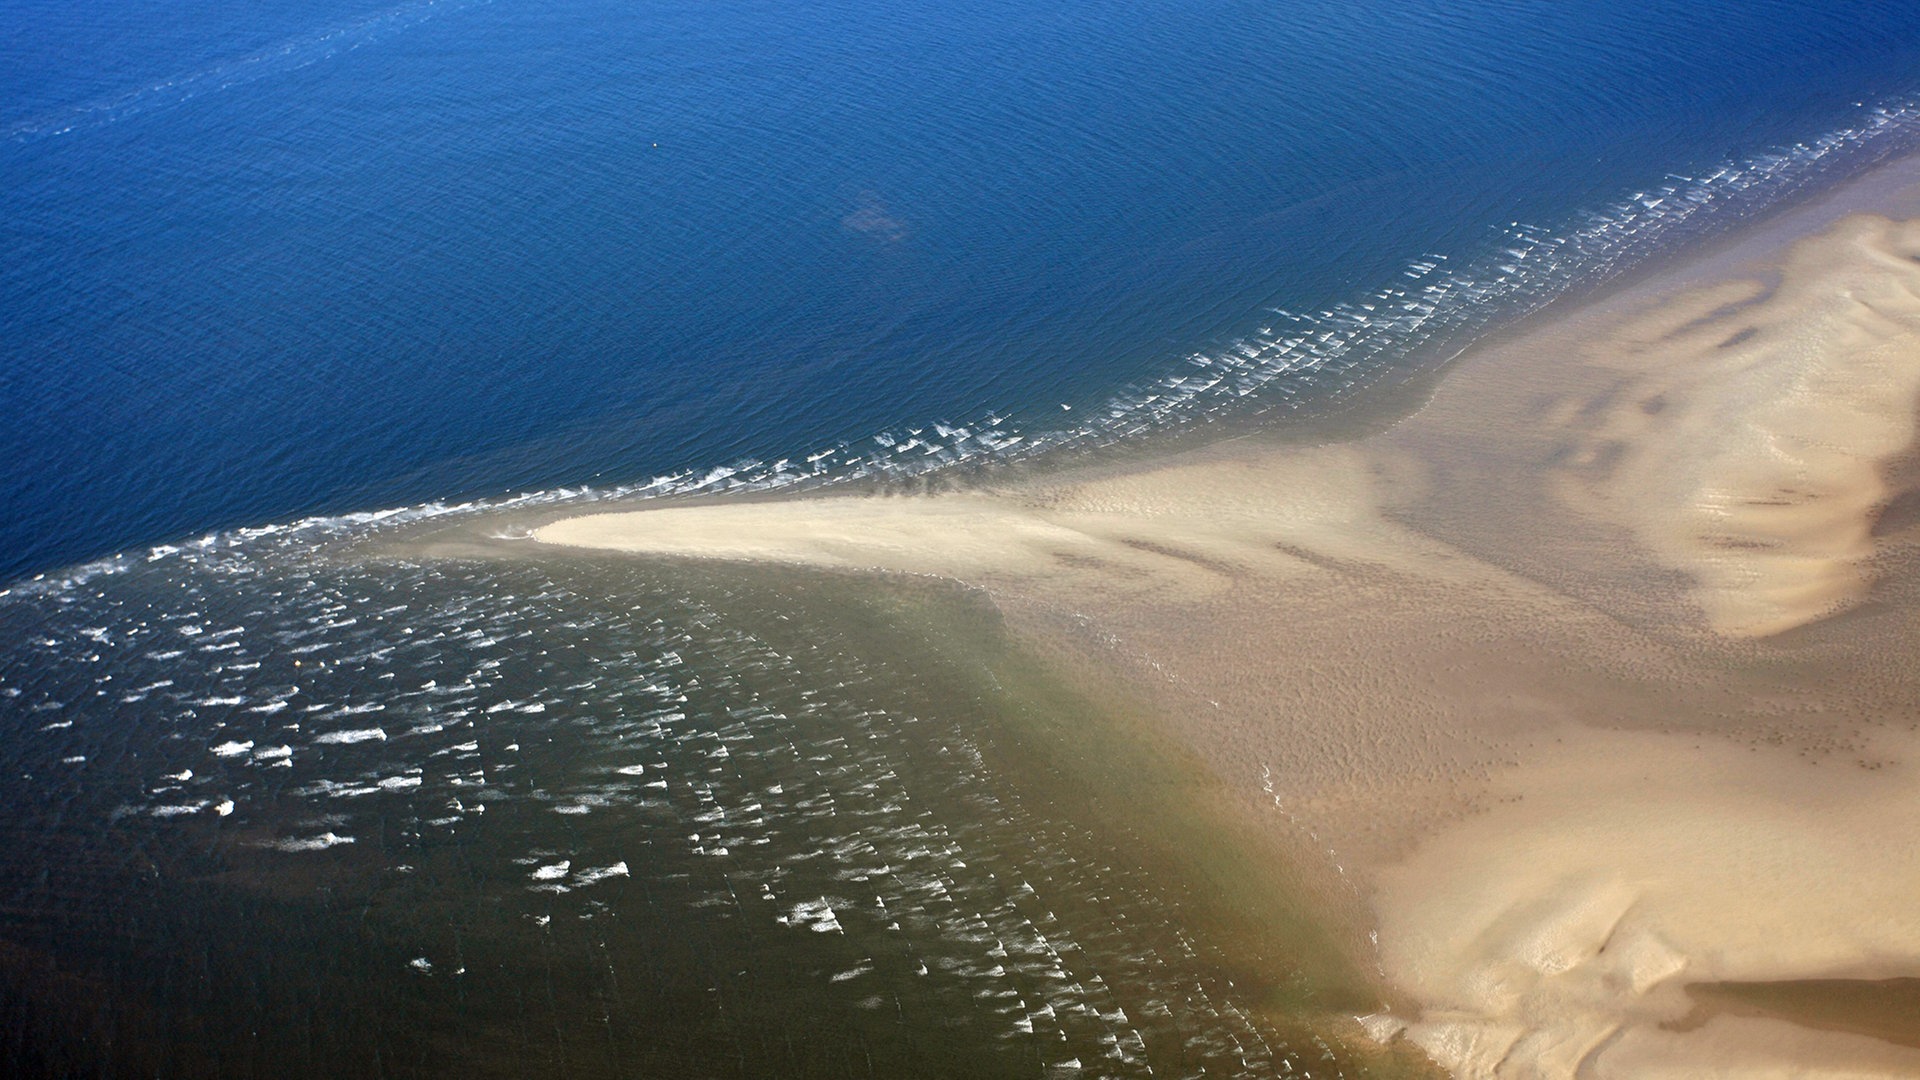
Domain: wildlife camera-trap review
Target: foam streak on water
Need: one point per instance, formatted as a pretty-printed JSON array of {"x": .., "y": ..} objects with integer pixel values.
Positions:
[{"x": 281, "y": 58}]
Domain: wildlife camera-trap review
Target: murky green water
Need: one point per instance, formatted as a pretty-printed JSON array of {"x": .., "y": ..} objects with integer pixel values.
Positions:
[{"x": 590, "y": 817}]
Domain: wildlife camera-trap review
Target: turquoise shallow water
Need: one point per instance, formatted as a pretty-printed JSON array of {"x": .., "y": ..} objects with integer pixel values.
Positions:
[{"x": 287, "y": 280}]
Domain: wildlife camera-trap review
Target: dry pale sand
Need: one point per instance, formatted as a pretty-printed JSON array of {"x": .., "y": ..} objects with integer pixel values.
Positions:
[{"x": 1592, "y": 679}]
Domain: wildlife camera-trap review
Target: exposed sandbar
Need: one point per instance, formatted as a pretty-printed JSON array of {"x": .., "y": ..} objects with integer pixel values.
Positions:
[{"x": 1595, "y": 675}]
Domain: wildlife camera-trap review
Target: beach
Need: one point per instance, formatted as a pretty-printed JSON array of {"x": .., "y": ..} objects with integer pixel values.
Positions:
[
  {"x": 945, "y": 542},
  {"x": 1580, "y": 699}
]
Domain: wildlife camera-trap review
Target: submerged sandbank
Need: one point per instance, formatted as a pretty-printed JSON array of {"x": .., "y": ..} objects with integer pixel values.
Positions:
[{"x": 1593, "y": 676}]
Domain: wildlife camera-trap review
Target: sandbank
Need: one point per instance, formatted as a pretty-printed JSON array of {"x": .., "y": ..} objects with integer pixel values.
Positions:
[{"x": 1589, "y": 682}]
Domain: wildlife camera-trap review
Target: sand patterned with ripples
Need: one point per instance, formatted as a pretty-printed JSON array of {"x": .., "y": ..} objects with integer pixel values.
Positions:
[{"x": 1587, "y": 684}]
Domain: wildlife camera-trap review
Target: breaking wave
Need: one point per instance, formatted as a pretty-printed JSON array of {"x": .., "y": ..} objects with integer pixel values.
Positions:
[{"x": 1294, "y": 364}]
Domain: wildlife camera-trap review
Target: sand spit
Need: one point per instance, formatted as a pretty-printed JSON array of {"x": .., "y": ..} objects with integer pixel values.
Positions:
[{"x": 1589, "y": 682}]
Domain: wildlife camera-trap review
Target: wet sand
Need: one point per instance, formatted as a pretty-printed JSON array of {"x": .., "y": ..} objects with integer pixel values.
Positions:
[{"x": 1589, "y": 682}]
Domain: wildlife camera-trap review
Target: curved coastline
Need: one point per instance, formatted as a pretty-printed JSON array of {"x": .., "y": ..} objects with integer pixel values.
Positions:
[
  {"x": 1570, "y": 669},
  {"x": 941, "y": 543}
]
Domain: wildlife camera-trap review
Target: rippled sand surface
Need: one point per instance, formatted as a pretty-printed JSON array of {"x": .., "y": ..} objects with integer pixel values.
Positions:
[{"x": 1588, "y": 682}]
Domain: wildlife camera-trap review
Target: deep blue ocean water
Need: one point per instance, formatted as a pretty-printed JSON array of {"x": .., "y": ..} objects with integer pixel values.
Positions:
[
  {"x": 281, "y": 796},
  {"x": 268, "y": 260}
]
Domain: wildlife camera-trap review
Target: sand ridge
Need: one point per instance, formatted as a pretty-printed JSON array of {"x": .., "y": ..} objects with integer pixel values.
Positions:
[
  {"x": 1761, "y": 427},
  {"x": 1587, "y": 681}
]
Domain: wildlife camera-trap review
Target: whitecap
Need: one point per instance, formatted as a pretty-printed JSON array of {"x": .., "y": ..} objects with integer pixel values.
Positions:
[
  {"x": 311, "y": 843},
  {"x": 588, "y": 877},
  {"x": 816, "y": 915},
  {"x": 358, "y": 735}
]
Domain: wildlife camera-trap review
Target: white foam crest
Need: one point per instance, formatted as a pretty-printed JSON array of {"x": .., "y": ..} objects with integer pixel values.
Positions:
[
  {"x": 358, "y": 735},
  {"x": 816, "y": 915},
  {"x": 1297, "y": 363},
  {"x": 1319, "y": 361},
  {"x": 310, "y": 843},
  {"x": 601, "y": 873}
]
